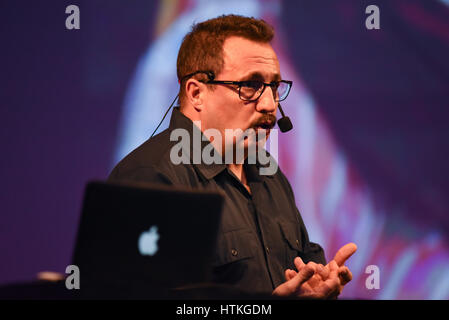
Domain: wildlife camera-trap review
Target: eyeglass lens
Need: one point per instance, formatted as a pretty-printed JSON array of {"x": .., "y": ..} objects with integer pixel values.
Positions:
[{"x": 253, "y": 91}]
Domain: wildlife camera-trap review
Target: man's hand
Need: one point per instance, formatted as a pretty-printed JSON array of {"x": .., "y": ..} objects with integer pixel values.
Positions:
[
  {"x": 307, "y": 282},
  {"x": 326, "y": 282},
  {"x": 294, "y": 285}
]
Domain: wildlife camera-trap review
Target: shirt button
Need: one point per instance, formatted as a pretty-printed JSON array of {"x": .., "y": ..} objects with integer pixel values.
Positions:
[
  {"x": 297, "y": 242},
  {"x": 268, "y": 250},
  {"x": 234, "y": 252}
]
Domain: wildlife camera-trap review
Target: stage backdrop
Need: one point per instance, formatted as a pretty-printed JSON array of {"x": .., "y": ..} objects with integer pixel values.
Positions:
[{"x": 366, "y": 158}]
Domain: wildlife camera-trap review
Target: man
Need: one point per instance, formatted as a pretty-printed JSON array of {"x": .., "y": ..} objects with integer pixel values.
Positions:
[{"x": 230, "y": 80}]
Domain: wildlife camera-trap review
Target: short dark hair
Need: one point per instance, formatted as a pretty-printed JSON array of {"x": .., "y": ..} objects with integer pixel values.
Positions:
[{"x": 202, "y": 47}]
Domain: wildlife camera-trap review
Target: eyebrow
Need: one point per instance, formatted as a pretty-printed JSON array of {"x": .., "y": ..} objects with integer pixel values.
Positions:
[{"x": 259, "y": 76}]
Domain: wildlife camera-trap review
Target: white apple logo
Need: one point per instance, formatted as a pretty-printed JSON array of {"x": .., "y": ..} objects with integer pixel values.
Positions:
[{"x": 148, "y": 242}]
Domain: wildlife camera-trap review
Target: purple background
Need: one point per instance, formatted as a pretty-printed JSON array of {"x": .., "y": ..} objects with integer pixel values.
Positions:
[
  {"x": 384, "y": 94},
  {"x": 61, "y": 94}
]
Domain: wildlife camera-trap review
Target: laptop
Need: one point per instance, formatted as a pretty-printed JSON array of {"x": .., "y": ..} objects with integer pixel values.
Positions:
[{"x": 140, "y": 239}]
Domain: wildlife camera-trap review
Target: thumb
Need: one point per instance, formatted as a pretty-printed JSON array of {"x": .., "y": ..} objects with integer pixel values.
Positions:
[{"x": 344, "y": 253}]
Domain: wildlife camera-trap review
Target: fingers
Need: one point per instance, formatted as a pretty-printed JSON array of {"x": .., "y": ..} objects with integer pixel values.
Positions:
[
  {"x": 323, "y": 271},
  {"x": 344, "y": 253},
  {"x": 302, "y": 276},
  {"x": 293, "y": 285},
  {"x": 290, "y": 274},
  {"x": 345, "y": 275},
  {"x": 299, "y": 264},
  {"x": 330, "y": 288},
  {"x": 315, "y": 279},
  {"x": 333, "y": 268}
]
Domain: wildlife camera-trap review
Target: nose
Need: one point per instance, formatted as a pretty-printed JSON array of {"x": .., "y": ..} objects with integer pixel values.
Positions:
[{"x": 266, "y": 103}]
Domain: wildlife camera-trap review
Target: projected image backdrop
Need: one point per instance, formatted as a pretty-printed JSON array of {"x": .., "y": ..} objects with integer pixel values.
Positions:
[
  {"x": 367, "y": 157},
  {"x": 348, "y": 85}
]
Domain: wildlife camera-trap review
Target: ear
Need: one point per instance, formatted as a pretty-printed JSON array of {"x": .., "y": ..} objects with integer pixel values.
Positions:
[{"x": 195, "y": 91}]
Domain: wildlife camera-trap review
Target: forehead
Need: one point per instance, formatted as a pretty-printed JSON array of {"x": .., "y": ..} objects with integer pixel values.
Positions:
[{"x": 246, "y": 58}]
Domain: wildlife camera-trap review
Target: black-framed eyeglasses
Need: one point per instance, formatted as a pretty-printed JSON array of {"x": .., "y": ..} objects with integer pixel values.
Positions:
[{"x": 249, "y": 90}]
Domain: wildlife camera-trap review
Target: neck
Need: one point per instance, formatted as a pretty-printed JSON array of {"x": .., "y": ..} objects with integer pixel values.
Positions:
[{"x": 237, "y": 169}]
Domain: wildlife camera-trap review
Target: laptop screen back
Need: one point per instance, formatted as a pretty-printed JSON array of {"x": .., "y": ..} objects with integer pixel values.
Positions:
[{"x": 146, "y": 235}]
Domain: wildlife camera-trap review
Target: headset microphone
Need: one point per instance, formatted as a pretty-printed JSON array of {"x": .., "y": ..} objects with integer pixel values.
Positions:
[
  {"x": 166, "y": 112},
  {"x": 284, "y": 123}
]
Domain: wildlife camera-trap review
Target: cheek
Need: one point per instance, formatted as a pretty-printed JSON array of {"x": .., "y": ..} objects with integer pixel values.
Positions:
[
  {"x": 228, "y": 114},
  {"x": 228, "y": 111},
  {"x": 236, "y": 118}
]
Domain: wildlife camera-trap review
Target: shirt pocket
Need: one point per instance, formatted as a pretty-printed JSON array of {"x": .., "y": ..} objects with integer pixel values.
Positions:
[
  {"x": 233, "y": 246},
  {"x": 292, "y": 242}
]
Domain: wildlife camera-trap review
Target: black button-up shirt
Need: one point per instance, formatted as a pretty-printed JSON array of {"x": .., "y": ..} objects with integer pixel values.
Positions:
[{"x": 260, "y": 233}]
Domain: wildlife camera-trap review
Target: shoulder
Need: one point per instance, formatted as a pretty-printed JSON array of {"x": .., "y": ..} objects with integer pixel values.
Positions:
[
  {"x": 150, "y": 162},
  {"x": 146, "y": 162}
]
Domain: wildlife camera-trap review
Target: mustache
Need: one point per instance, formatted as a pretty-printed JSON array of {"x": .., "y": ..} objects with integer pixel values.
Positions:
[{"x": 266, "y": 121}]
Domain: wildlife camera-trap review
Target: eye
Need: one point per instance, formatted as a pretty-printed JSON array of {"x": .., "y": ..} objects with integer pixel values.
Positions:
[{"x": 252, "y": 84}]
